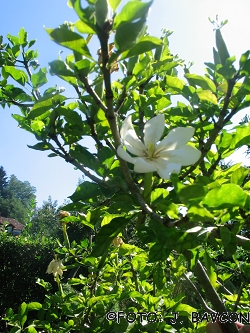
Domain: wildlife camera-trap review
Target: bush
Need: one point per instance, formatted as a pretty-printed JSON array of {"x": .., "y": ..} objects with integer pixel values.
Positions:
[{"x": 23, "y": 260}]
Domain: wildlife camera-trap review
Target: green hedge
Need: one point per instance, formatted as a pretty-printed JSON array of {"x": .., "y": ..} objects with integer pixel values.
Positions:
[{"x": 23, "y": 260}]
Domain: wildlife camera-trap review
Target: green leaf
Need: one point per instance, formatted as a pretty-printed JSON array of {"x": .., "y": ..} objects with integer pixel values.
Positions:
[
  {"x": 174, "y": 82},
  {"x": 101, "y": 12},
  {"x": 114, "y": 4},
  {"x": 206, "y": 95},
  {"x": 17, "y": 74},
  {"x": 84, "y": 66},
  {"x": 132, "y": 11},
  {"x": 239, "y": 175},
  {"x": 30, "y": 329},
  {"x": 158, "y": 253},
  {"x": 86, "y": 192},
  {"x": 225, "y": 236},
  {"x": 198, "y": 213},
  {"x": 70, "y": 40},
  {"x": 201, "y": 81},
  {"x": 22, "y": 310},
  {"x": 34, "y": 306},
  {"x": 127, "y": 34},
  {"x": 106, "y": 235},
  {"x": 85, "y": 157},
  {"x": 84, "y": 28},
  {"x": 242, "y": 136},
  {"x": 23, "y": 37},
  {"x": 144, "y": 44},
  {"x": 70, "y": 116},
  {"x": 40, "y": 78},
  {"x": 225, "y": 196},
  {"x": 42, "y": 146},
  {"x": 159, "y": 276},
  {"x": 221, "y": 46},
  {"x": 192, "y": 193},
  {"x": 210, "y": 269},
  {"x": 22, "y": 313},
  {"x": 44, "y": 104}
]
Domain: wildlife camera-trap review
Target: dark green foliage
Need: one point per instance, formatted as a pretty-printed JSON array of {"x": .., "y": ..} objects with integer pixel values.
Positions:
[
  {"x": 15, "y": 197},
  {"x": 23, "y": 260}
]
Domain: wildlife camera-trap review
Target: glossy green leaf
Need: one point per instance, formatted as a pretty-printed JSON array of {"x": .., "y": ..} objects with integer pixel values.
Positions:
[
  {"x": 84, "y": 28},
  {"x": 174, "y": 82},
  {"x": 17, "y": 74},
  {"x": 70, "y": 40},
  {"x": 86, "y": 192},
  {"x": 144, "y": 44},
  {"x": 85, "y": 14},
  {"x": 198, "y": 213},
  {"x": 239, "y": 175},
  {"x": 30, "y": 329},
  {"x": 45, "y": 104},
  {"x": 225, "y": 236},
  {"x": 34, "y": 306},
  {"x": 85, "y": 157},
  {"x": 158, "y": 253},
  {"x": 132, "y": 11},
  {"x": 23, "y": 37},
  {"x": 106, "y": 235},
  {"x": 225, "y": 196},
  {"x": 201, "y": 81},
  {"x": 221, "y": 46},
  {"x": 242, "y": 136},
  {"x": 42, "y": 146},
  {"x": 127, "y": 35},
  {"x": 40, "y": 78},
  {"x": 159, "y": 276},
  {"x": 101, "y": 12},
  {"x": 206, "y": 95},
  {"x": 84, "y": 67},
  {"x": 192, "y": 193},
  {"x": 114, "y": 4},
  {"x": 210, "y": 266}
]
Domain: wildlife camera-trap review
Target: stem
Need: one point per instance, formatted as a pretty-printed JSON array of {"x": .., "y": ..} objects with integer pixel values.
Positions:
[
  {"x": 147, "y": 186},
  {"x": 65, "y": 235},
  {"x": 59, "y": 285}
]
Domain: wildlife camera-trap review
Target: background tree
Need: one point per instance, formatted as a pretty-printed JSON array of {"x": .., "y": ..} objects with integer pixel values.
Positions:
[
  {"x": 15, "y": 197},
  {"x": 145, "y": 193}
]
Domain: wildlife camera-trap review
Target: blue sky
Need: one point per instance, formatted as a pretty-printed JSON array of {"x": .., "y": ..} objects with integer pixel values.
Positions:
[{"x": 192, "y": 40}]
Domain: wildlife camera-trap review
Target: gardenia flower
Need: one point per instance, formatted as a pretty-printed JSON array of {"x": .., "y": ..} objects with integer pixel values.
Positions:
[
  {"x": 164, "y": 157},
  {"x": 55, "y": 267}
]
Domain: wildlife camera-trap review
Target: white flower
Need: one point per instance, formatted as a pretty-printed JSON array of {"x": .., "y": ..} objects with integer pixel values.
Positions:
[
  {"x": 164, "y": 157},
  {"x": 55, "y": 267}
]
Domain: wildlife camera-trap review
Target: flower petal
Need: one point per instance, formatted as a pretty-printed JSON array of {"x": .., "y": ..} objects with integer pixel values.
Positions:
[
  {"x": 129, "y": 135},
  {"x": 165, "y": 168},
  {"x": 124, "y": 155},
  {"x": 184, "y": 156},
  {"x": 176, "y": 138},
  {"x": 154, "y": 129},
  {"x": 144, "y": 165}
]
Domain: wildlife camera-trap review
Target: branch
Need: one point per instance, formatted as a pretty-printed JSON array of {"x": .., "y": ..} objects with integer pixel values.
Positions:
[
  {"x": 92, "y": 93},
  {"x": 199, "y": 295},
  {"x": 217, "y": 127},
  {"x": 212, "y": 295},
  {"x": 68, "y": 158}
]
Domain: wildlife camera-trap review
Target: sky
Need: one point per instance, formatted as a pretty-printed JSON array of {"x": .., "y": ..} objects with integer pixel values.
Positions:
[{"x": 193, "y": 40}]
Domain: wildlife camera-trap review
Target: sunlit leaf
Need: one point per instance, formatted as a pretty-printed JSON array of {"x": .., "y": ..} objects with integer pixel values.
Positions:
[
  {"x": 106, "y": 235},
  {"x": 40, "y": 78},
  {"x": 70, "y": 40},
  {"x": 201, "y": 81},
  {"x": 225, "y": 196},
  {"x": 206, "y": 95}
]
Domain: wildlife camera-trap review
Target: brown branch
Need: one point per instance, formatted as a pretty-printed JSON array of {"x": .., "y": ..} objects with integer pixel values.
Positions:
[{"x": 212, "y": 295}]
